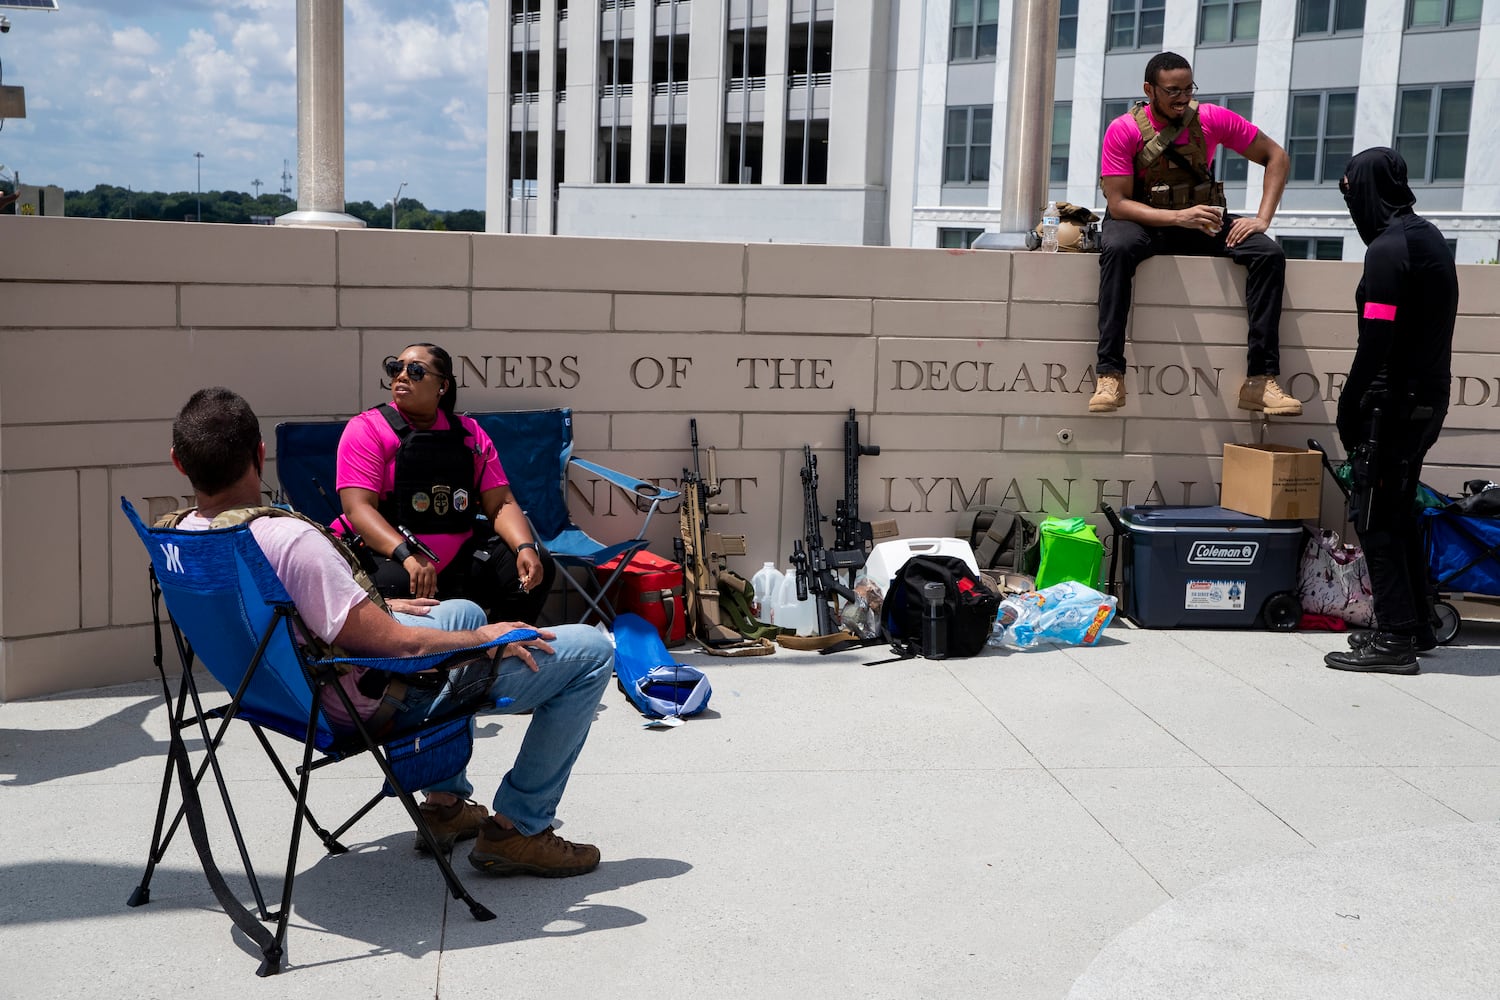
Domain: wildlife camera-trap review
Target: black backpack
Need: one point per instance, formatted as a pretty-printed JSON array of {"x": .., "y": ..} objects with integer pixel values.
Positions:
[
  {"x": 970, "y": 606},
  {"x": 1002, "y": 538}
]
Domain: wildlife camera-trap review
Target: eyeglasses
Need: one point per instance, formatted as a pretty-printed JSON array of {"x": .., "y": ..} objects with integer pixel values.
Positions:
[
  {"x": 1172, "y": 93},
  {"x": 415, "y": 370}
]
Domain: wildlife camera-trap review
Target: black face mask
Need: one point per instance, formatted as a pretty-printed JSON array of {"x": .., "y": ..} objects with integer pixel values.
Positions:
[{"x": 1376, "y": 191}]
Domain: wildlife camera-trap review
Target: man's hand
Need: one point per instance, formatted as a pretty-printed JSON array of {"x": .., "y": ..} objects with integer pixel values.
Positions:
[
  {"x": 1204, "y": 218},
  {"x": 423, "y": 575},
  {"x": 415, "y": 606},
  {"x": 521, "y": 649},
  {"x": 1244, "y": 228}
]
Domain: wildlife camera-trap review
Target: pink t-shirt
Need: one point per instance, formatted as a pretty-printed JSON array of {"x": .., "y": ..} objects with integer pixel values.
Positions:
[
  {"x": 367, "y": 461},
  {"x": 318, "y": 581},
  {"x": 1221, "y": 127}
]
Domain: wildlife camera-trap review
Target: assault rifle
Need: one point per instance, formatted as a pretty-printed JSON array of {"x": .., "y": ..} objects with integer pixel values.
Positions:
[
  {"x": 702, "y": 552},
  {"x": 813, "y": 563},
  {"x": 851, "y": 536}
]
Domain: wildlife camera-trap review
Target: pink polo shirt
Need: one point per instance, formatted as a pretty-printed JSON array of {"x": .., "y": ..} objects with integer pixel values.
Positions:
[
  {"x": 1221, "y": 127},
  {"x": 367, "y": 461}
]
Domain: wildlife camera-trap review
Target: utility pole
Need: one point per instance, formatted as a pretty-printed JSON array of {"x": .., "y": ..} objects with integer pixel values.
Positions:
[
  {"x": 286, "y": 177},
  {"x": 393, "y": 204},
  {"x": 257, "y": 184},
  {"x": 199, "y": 158}
]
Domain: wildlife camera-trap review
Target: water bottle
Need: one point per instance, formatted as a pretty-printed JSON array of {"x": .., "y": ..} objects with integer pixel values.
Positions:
[
  {"x": 934, "y": 622},
  {"x": 1050, "y": 221},
  {"x": 997, "y": 631}
]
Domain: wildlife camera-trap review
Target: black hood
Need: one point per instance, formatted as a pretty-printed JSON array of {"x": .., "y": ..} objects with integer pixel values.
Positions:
[{"x": 1376, "y": 191}]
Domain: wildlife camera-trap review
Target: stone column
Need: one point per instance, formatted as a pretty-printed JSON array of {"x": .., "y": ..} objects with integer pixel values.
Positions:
[{"x": 320, "y": 117}]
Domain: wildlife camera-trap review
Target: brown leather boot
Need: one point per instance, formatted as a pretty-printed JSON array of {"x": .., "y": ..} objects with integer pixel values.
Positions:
[
  {"x": 449, "y": 824},
  {"x": 1108, "y": 395},
  {"x": 499, "y": 851}
]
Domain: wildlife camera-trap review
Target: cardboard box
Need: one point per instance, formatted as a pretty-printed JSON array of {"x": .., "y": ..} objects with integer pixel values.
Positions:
[{"x": 1273, "y": 481}]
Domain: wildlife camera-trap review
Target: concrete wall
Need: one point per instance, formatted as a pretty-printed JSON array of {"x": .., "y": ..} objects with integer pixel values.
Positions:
[{"x": 964, "y": 367}]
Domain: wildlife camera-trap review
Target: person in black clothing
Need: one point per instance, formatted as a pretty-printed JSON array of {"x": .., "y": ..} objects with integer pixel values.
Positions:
[{"x": 1392, "y": 406}]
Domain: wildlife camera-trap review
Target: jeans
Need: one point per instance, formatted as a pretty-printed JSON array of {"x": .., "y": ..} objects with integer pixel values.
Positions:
[
  {"x": 563, "y": 696},
  {"x": 1126, "y": 244}
]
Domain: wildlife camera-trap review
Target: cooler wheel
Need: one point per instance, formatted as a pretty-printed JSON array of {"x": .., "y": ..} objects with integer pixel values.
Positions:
[
  {"x": 1448, "y": 622},
  {"x": 1281, "y": 612}
]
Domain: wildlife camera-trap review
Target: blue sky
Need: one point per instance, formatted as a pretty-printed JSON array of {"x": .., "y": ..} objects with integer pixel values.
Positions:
[{"x": 126, "y": 91}]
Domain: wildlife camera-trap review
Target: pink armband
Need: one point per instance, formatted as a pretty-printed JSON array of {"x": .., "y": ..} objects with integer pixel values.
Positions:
[{"x": 1379, "y": 310}]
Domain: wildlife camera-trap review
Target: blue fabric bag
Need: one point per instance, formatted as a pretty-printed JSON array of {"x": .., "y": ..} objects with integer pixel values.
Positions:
[{"x": 655, "y": 683}]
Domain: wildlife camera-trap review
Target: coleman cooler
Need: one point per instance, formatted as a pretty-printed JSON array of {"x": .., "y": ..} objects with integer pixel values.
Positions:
[{"x": 1207, "y": 567}]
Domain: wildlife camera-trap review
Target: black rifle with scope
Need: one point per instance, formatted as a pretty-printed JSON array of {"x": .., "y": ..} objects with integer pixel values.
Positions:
[{"x": 814, "y": 564}]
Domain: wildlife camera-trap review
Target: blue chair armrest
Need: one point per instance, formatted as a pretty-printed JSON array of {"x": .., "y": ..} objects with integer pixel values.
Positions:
[
  {"x": 645, "y": 495},
  {"x": 427, "y": 661}
]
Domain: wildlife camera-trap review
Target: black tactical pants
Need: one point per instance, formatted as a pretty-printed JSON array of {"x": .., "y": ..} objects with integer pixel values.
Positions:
[
  {"x": 1392, "y": 540},
  {"x": 494, "y": 583},
  {"x": 1126, "y": 244}
]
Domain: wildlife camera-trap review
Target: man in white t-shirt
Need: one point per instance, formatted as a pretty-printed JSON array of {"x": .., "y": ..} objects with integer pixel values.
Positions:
[{"x": 216, "y": 443}]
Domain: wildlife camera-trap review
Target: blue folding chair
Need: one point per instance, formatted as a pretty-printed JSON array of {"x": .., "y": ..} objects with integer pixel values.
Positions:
[
  {"x": 536, "y": 451},
  {"x": 229, "y": 611}
]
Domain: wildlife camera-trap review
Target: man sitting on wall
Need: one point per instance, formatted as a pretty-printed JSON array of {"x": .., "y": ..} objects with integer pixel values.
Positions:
[
  {"x": 216, "y": 443},
  {"x": 1157, "y": 175}
]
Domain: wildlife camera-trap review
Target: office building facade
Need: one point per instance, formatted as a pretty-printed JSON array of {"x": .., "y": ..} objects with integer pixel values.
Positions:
[{"x": 882, "y": 122}]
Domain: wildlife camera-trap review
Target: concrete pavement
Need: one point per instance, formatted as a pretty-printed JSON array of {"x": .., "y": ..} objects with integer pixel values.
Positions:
[{"x": 1168, "y": 814}]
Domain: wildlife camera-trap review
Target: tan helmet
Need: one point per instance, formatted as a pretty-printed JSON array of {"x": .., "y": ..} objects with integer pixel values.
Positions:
[{"x": 1069, "y": 236}]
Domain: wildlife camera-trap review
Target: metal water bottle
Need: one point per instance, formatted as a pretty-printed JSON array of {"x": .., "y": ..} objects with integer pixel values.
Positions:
[{"x": 934, "y": 622}]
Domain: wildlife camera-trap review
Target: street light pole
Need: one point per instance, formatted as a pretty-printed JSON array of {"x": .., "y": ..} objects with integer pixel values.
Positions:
[
  {"x": 199, "y": 158},
  {"x": 393, "y": 204}
]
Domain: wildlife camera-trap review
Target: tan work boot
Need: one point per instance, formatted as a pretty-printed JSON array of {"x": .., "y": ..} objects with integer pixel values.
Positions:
[
  {"x": 499, "y": 851},
  {"x": 1108, "y": 395},
  {"x": 449, "y": 824},
  {"x": 1262, "y": 394}
]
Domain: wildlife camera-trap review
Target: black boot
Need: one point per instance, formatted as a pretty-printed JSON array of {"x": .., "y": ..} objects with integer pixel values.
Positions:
[
  {"x": 1384, "y": 653},
  {"x": 1424, "y": 641}
]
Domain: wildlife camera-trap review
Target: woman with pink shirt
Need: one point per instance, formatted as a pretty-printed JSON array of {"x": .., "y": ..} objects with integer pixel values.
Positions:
[{"x": 415, "y": 477}]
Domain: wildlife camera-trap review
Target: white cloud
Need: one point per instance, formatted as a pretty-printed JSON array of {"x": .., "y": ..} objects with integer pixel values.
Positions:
[
  {"x": 125, "y": 94},
  {"x": 135, "y": 41}
]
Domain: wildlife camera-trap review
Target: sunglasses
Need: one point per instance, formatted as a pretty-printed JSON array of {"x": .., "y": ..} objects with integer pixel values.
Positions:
[{"x": 415, "y": 370}]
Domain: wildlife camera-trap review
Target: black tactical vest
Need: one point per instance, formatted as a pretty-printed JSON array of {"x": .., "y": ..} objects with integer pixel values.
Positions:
[{"x": 434, "y": 491}]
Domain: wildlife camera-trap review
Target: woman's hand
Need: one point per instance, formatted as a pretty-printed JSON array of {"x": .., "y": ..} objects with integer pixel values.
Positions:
[
  {"x": 529, "y": 568},
  {"x": 416, "y": 606},
  {"x": 423, "y": 575}
]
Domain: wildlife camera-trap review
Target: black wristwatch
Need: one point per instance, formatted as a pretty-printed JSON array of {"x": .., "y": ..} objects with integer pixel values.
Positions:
[
  {"x": 527, "y": 545},
  {"x": 402, "y": 552}
]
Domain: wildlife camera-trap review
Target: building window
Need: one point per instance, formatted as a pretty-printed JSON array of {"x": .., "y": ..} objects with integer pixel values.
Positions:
[
  {"x": 1432, "y": 131},
  {"x": 1228, "y": 21},
  {"x": 1322, "y": 17},
  {"x": 976, "y": 29},
  {"x": 1110, "y": 110},
  {"x": 966, "y": 154},
  {"x": 1067, "y": 26},
  {"x": 1312, "y": 248},
  {"x": 1229, "y": 166},
  {"x": 1320, "y": 138},
  {"x": 1062, "y": 134},
  {"x": 957, "y": 239},
  {"x": 1442, "y": 13},
  {"x": 1136, "y": 24},
  {"x": 1452, "y": 247}
]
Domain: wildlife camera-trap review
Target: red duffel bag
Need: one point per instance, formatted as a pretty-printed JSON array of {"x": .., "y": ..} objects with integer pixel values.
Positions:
[{"x": 652, "y": 588}]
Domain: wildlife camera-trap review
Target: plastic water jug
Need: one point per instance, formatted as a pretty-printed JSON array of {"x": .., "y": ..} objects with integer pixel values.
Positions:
[
  {"x": 790, "y": 613},
  {"x": 765, "y": 582}
]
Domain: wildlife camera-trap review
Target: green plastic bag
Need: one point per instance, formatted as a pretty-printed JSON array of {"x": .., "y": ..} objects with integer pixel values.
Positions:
[{"x": 1071, "y": 550}]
